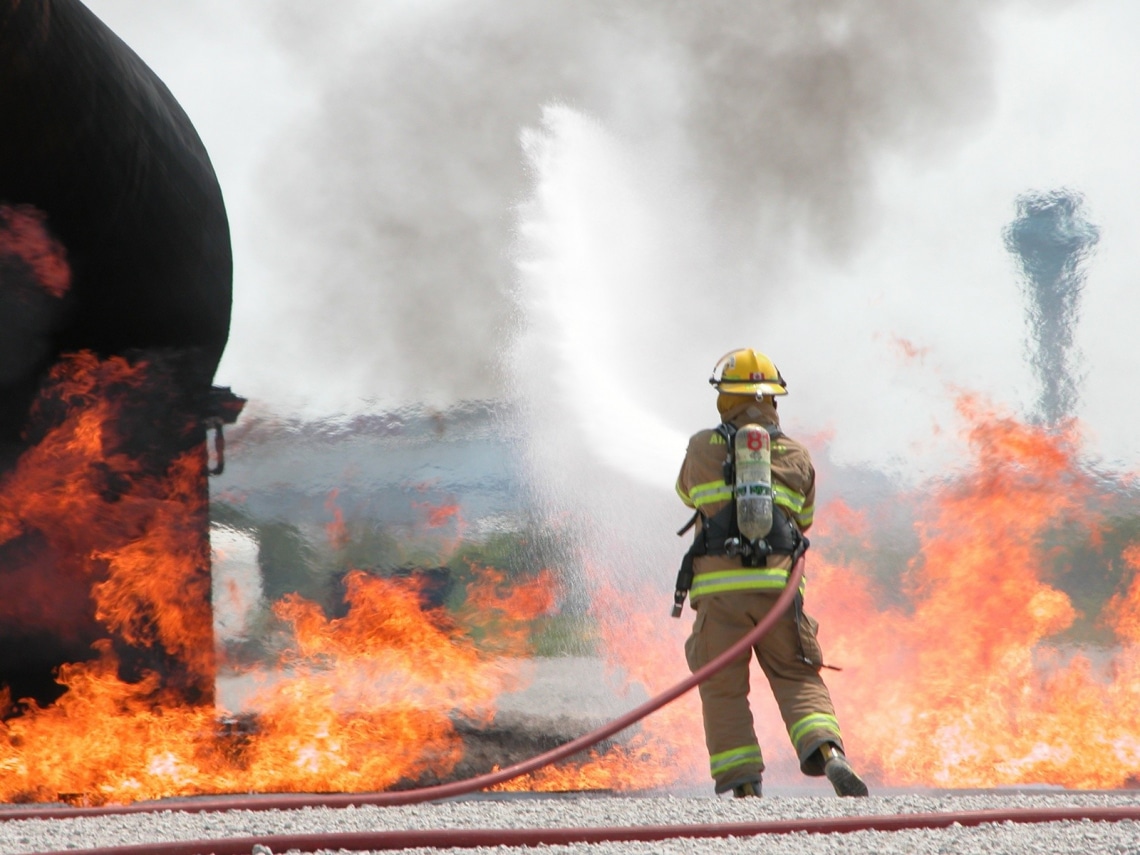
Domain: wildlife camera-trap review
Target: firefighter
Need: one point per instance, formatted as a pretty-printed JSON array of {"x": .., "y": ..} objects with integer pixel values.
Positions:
[{"x": 731, "y": 592}]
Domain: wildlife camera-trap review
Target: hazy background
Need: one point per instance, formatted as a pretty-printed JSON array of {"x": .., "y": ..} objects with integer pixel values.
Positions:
[{"x": 580, "y": 205}]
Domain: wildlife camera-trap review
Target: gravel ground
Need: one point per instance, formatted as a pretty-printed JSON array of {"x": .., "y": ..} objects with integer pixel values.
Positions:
[{"x": 31, "y": 836}]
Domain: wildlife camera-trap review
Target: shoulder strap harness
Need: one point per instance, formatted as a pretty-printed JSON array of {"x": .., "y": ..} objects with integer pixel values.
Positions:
[{"x": 720, "y": 535}]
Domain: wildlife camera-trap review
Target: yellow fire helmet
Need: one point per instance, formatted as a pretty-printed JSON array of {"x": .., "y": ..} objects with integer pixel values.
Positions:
[{"x": 747, "y": 372}]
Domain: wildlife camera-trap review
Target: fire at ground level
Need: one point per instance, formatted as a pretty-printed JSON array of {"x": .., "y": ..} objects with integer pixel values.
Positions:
[{"x": 388, "y": 690}]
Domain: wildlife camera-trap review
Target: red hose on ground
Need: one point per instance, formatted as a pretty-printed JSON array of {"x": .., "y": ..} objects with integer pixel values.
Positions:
[
  {"x": 285, "y": 801},
  {"x": 362, "y": 841}
]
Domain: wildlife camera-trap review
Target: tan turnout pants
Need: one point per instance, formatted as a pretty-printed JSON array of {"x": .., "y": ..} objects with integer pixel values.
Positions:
[{"x": 803, "y": 699}]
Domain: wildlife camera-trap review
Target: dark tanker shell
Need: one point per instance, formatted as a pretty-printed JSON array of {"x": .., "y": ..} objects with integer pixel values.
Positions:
[
  {"x": 91, "y": 137},
  {"x": 114, "y": 243}
]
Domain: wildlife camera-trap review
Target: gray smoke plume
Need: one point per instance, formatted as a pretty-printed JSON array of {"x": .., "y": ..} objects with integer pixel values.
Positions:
[
  {"x": 398, "y": 188},
  {"x": 1052, "y": 240}
]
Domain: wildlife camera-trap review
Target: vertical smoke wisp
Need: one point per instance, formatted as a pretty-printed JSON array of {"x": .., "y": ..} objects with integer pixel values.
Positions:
[{"x": 1052, "y": 240}]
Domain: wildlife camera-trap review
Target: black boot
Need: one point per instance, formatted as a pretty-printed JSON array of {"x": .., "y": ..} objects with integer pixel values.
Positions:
[
  {"x": 748, "y": 788},
  {"x": 840, "y": 773}
]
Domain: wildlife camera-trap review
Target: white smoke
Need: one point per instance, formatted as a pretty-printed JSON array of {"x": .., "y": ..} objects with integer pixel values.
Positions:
[
  {"x": 857, "y": 163},
  {"x": 398, "y": 189}
]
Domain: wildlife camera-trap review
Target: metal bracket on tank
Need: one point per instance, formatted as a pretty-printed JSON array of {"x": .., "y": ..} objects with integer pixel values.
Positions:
[{"x": 222, "y": 408}]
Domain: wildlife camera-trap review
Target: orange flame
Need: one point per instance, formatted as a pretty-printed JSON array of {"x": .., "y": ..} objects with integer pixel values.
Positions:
[
  {"x": 24, "y": 235},
  {"x": 662, "y": 749},
  {"x": 960, "y": 687},
  {"x": 127, "y": 535},
  {"x": 359, "y": 703},
  {"x": 369, "y": 697},
  {"x": 442, "y": 516},
  {"x": 950, "y": 678},
  {"x": 335, "y": 530},
  {"x": 503, "y": 611},
  {"x": 158, "y": 587}
]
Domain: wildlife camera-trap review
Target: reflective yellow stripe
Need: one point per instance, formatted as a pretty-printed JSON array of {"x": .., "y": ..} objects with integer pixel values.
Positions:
[
  {"x": 745, "y": 755},
  {"x": 788, "y": 498},
  {"x": 815, "y": 721},
  {"x": 681, "y": 492},
  {"x": 804, "y": 518},
  {"x": 739, "y": 579},
  {"x": 710, "y": 491}
]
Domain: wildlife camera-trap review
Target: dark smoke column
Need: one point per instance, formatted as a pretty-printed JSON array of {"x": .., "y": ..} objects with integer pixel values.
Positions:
[{"x": 1051, "y": 240}]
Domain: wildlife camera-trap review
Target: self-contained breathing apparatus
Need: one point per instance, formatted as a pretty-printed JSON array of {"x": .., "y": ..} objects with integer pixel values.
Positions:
[{"x": 751, "y": 526}]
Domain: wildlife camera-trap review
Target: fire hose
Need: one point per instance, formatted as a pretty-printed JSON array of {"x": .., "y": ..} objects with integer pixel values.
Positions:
[
  {"x": 465, "y": 838},
  {"x": 287, "y": 801},
  {"x": 468, "y": 838}
]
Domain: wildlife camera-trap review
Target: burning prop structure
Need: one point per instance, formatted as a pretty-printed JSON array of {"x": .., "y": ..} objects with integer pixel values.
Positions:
[{"x": 115, "y": 292}]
